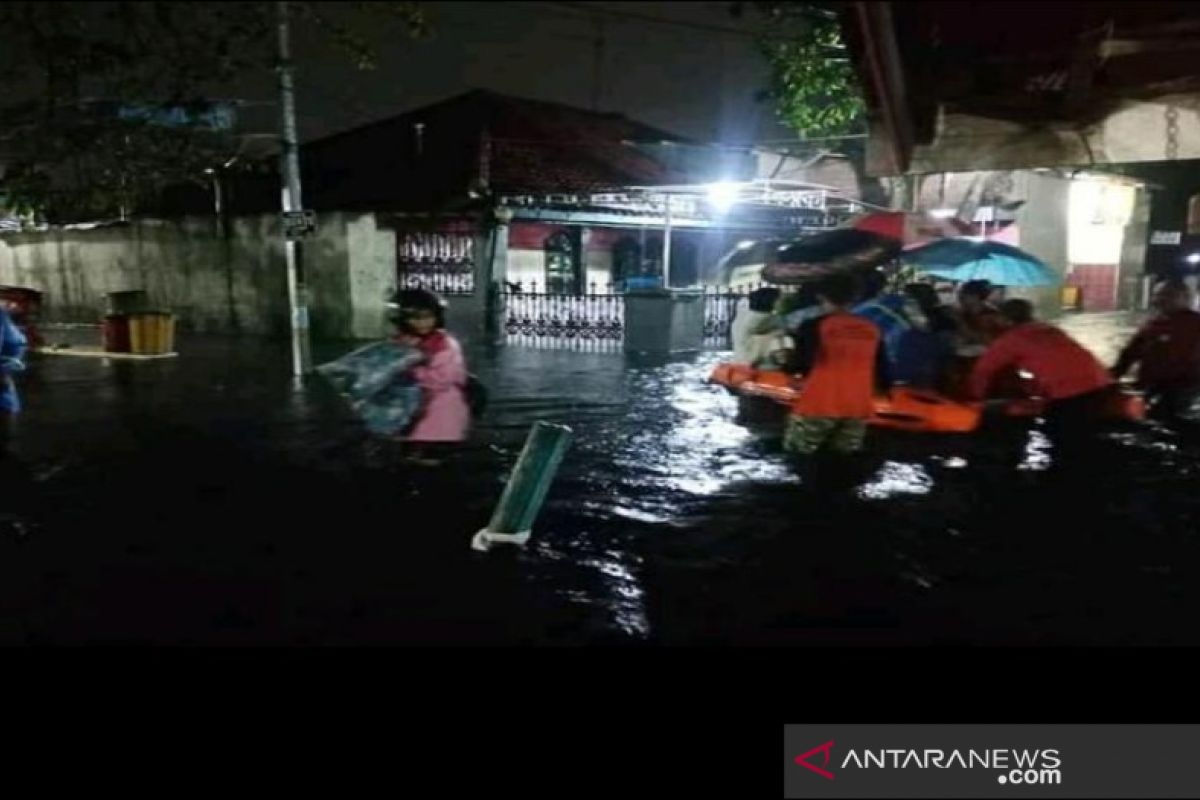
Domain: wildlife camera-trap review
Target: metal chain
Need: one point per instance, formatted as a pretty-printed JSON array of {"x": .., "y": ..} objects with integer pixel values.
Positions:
[{"x": 1172, "y": 133}]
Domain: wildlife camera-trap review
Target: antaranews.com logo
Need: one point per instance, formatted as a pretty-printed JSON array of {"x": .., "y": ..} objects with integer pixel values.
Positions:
[{"x": 1027, "y": 767}]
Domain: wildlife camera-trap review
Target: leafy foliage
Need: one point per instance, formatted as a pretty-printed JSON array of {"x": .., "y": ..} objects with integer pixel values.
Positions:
[
  {"x": 66, "y": 150},
  {"x": 814, "y": 87},
  {"x": 813, "y": 84}
]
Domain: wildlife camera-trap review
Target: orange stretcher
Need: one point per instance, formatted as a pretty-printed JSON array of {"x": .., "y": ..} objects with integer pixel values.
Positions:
[{"x": 907, "y": 408}]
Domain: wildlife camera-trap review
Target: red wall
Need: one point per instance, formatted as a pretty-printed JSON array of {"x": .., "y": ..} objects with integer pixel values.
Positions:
[
  {"x": 1097, "y": 285},
  {"x": 533, "y": 235}
]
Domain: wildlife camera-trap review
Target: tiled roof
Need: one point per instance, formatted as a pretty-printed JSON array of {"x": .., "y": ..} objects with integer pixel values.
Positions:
[
  {"x": 509, "y": 144},
  {"x": 547, "y": 147}
]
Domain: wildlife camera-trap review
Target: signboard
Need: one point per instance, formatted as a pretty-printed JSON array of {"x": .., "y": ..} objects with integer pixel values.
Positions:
[
  {"x": 298, "y": 224},
  {"x": 1165, "y": 237}
]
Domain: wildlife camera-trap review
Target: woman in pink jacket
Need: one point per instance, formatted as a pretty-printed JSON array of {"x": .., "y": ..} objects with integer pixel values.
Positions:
[{"x": 442, "y": 376}]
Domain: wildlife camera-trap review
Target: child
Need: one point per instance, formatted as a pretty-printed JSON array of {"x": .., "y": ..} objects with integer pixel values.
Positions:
[{"x": 420, "y": 320}]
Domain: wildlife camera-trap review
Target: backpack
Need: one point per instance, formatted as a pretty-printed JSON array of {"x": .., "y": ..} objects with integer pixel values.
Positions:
[{"x": 477, "y": 395}]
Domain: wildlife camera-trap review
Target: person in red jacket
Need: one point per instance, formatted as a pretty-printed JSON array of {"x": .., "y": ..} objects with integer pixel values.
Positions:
[
  {"x": 842, "y": 359},
  {"x": 1074, "y": 383},
  {"x": 1167, "y": 352}
]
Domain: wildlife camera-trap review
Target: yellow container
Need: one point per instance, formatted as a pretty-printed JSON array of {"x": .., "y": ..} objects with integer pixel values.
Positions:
[
  {"x": 140, "y": 334},
  {"x": 166, "y": 333},
  {"x": 152, "y": 333},
  {"x": 1070, "y": 298},
  {"x": 154, "y": 324}
]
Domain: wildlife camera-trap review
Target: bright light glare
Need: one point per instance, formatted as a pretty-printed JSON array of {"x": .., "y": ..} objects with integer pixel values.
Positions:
[
  {"x": 942, "y": 213},
  {"x": 746, "y": 245},
  {"x": 722, "y": 195},
  {"x": 1194, "y": 258}
]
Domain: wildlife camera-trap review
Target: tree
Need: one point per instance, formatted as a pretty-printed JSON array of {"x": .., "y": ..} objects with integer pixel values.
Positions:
[
  {"x": 813, "y": 84},
  {"x": 116, "y": 100}
]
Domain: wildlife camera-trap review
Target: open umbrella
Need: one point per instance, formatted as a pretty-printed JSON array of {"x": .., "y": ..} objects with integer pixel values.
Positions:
[
  {"x": 910, "y": 228},
  {"x": 839, "y": 250},
  {"x": 750, "y": 253},
  {"x": 968, "y": 260}
]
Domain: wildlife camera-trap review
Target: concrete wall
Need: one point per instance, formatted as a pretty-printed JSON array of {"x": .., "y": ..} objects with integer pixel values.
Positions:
[
  {"x": 372, "y": 276},
  {"x": 215, "y": 283},
  {"x": 1133, "y": 254},
  {"x": 527, "y": 267},
  {"x": 597, "y": 265},
  {"x": 1044, "y": 225}
]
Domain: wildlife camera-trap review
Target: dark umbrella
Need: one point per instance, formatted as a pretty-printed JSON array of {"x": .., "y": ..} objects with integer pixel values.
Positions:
[
  {"x": 750, "y": 253},
  {"x": 840, "y": 250}
]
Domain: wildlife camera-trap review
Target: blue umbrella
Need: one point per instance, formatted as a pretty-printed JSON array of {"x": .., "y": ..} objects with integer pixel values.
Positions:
[{"x": 964, "y": 260}]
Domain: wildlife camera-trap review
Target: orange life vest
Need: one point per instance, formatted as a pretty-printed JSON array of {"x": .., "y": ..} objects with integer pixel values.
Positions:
[{"x": 841, "y": 383}]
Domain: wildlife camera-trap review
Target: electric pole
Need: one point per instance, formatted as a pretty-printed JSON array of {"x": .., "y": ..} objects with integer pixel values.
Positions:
[{"x": 297, "y": 290}]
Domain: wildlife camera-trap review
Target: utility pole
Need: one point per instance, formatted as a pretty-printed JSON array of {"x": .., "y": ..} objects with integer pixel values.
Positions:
[{"x": 297, "y": 290}]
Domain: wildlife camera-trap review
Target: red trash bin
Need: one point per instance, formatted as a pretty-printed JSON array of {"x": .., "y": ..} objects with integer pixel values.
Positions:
[{"x": 115, "y": 331}]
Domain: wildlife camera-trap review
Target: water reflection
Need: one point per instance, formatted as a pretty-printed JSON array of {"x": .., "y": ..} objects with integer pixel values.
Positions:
[
  {"x": 895, "y": 478},
  {"x": 661, "y": 491},
  {"x": 1037, "y": 453}
]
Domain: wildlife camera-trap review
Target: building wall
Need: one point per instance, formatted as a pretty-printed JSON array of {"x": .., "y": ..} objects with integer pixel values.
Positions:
[
  {"x": 1099, "y": 213},
  {"x": 1134, "y": 253},
  {"x": 526, "y": 267},
  {"x": 1044, "y": 224},
  {"x": 597, "y": 266},
  {"x": 215, "y": 284},
  {"x": 372, "y": 275}
]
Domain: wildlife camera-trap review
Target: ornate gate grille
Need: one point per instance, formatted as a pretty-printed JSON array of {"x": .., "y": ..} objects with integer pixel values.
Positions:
[
  {"x": 720, "y": 303},
  {"x": 533, "y": 316},
  {"x": 441, "y": 262},
  {"x": 596, "y": 320}
]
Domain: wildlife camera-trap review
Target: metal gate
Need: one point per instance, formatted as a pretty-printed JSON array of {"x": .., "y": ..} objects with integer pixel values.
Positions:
[
  {"x": 591, "y": 321},
  {"x": 534, "y": 317},
  {"x": 720, "y": 304}
]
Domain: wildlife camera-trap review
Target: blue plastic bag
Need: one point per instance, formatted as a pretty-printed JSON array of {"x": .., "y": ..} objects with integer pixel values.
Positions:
[
  {"x": 377, "y": 380},
  {"x": 12, "y": 353}
]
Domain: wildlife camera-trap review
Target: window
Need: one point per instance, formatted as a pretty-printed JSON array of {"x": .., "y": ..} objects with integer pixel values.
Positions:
[
  {"x": 562, "y": 264},
  {"x": 627, "y": 260},
  {"x": 652, "y": 257},
  {"x": 685, "y": 263}
]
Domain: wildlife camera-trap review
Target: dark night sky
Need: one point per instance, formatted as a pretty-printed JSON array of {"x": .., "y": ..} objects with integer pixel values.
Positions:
[{"x": 685, "y": 77}]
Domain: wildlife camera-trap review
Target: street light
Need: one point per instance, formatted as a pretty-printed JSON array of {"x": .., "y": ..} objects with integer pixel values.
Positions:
[{"x": 722, "y": 195}]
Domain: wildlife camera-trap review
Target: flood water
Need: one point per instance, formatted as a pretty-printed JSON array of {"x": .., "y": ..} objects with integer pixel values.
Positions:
[{"x": 207, "y": 500}]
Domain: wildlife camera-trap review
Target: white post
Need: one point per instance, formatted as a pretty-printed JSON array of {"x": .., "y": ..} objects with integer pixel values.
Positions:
[
  {"x": 297, "y": 291},
  {"x": 666, "y": 251}
]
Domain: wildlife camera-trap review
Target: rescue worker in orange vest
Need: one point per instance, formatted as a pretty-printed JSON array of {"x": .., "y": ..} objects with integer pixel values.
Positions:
[
  {"x": 842, "y": 359},
  {"x": 1074, "y": 383}
]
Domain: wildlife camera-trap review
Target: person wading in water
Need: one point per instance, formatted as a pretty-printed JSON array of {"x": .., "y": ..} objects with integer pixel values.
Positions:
[{"x": 842, "y": 359}]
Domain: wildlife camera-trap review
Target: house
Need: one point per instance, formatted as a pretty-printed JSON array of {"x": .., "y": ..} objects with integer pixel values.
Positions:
[
  {"x": 479, "y": 197},
  {"x": 582, "y": 192}
]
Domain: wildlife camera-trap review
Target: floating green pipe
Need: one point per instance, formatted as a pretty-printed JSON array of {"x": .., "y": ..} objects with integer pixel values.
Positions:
[{"x": 512, "y": 521}]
